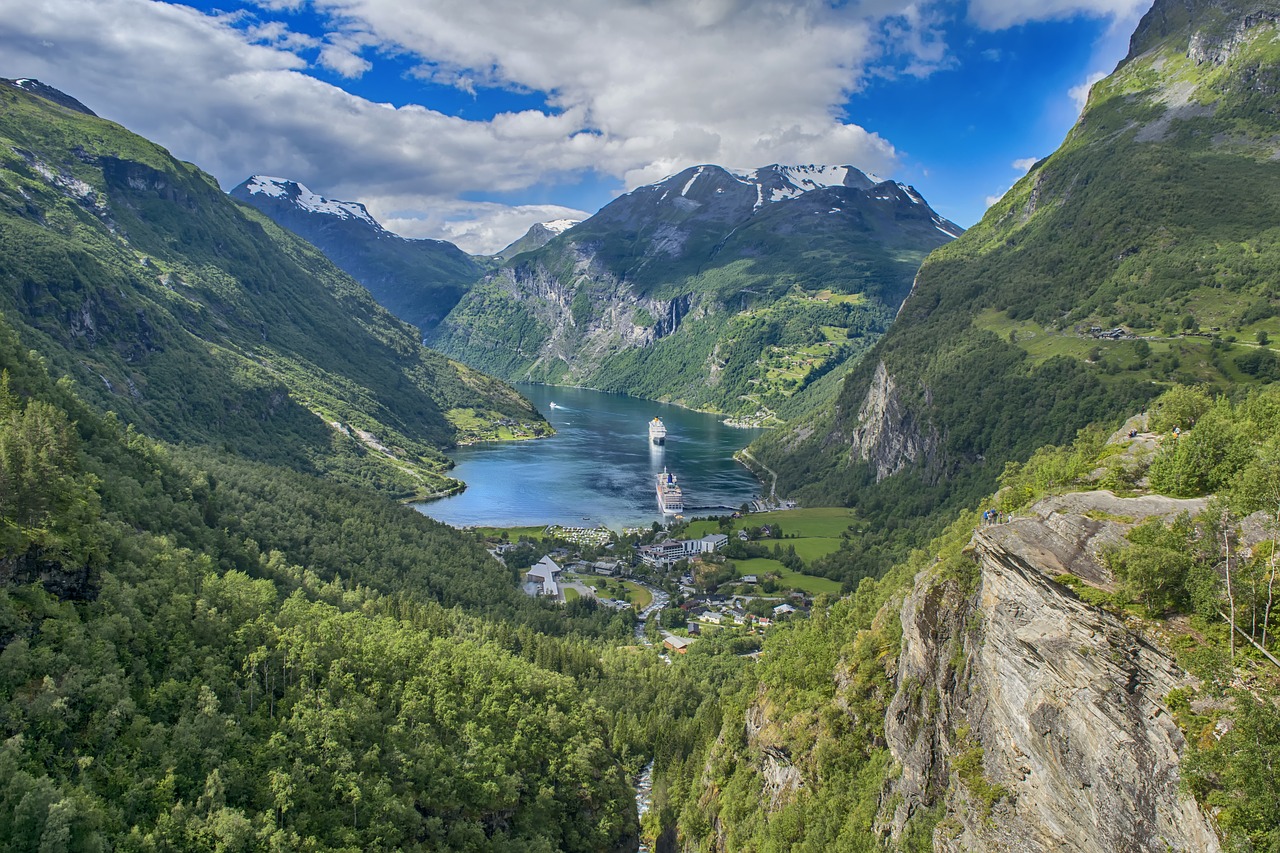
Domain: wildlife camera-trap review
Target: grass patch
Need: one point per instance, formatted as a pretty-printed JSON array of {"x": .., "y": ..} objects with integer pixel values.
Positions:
[
  {"x": 476, "y": 426},
  {"x": 571, "y": 594},
  {"x": 638, "y": 595},
  {"x": 808, "y": 523},
  {"x": 793, "y": 580},
  {"x": 812, "y": 548},
  {"x": 514, "y": 533}
]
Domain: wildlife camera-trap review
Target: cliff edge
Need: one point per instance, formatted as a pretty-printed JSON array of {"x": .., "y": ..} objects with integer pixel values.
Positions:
[{"x": 1035, "y": 720}]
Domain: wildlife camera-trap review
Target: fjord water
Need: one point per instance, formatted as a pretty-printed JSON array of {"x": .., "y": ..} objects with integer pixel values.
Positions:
[{"x": 599, "y": 467}]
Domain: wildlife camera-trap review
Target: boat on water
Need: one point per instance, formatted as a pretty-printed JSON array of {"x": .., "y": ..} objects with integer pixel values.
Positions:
[
  {"x": 554, "y": 406},
  {"x": 657, "y": 431},
  {"x": 670, "y": 497}
]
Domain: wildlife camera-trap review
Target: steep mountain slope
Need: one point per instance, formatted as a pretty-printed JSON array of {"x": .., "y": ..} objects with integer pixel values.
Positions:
[
  {"x": 1156, "y": 217},
  {"x": 718, "y": 290},
  {"x": 417, "y": 280},
  {"x": 199, "y": 320}
]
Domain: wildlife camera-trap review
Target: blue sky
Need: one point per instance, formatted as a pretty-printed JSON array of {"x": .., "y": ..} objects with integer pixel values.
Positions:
[{"x": 469, "y": 121}]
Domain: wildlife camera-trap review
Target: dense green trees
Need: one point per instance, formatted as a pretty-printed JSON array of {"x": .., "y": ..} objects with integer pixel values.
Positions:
[{"x": 238, "y": 657}]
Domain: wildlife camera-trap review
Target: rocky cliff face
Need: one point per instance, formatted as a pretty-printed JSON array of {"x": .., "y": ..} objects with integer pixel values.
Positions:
[
  {"x": 888, "y": 433},
  {"x": 1037, "y": 720}
]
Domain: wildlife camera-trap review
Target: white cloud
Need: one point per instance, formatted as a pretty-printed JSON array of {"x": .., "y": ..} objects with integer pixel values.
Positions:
[
  {"x": 1079, "y": 93},
  {"x": 1024, "y": 164},
  {"x": 992, "y": 199},
  {"x": 341, "y": 55},
  {"x": 1000, "y": 14},
  {"x": 638, "y": 89},
  {"x": 478, "y": 228}
]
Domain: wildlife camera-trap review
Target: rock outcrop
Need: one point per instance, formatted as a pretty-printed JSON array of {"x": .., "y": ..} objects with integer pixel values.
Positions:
[
  {"x": 1035, "y": 718},
  {"x": 888, "y": 433}
]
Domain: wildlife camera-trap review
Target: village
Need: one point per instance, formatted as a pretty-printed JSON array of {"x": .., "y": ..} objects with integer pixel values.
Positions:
[{"x": 737, "y": 578}]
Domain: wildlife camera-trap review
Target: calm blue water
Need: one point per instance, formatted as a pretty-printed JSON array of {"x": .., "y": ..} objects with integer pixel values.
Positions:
[{"x": 599, "y": 468}]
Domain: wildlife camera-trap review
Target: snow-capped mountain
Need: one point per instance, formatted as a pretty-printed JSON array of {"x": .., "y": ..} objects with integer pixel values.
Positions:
[
  {"x": 305, "y": 200},
  {"x": 417, "y": 280},
  {"x": 538, "y": 235},
  {"x": 713, "y": 191},
  {"x": 712, "y": 269}
]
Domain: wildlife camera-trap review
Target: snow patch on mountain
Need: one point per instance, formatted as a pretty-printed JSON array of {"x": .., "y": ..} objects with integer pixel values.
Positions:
[
  {"x": 559, "y": 226},
  {"x": 305, "y": 199},
  {"x": 695, "y": 177}
]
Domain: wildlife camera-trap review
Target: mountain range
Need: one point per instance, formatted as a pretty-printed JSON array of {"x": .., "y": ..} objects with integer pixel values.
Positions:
[
  {"x": 218, "y": 632},
  {"x": 727, "y": 291}
]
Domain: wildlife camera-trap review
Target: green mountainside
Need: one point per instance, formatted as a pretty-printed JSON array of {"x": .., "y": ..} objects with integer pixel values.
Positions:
[
  {"x": 417, "y": 280},
  {"x": 199, "y": 652},
  {"x": 719, "y": 291},
  {"x": 1156, "y": 217},
  {"x": 198, "y": 320}
]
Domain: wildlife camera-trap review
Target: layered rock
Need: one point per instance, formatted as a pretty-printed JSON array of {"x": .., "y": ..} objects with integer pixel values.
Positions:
[{"x": 1036, "y": 719}]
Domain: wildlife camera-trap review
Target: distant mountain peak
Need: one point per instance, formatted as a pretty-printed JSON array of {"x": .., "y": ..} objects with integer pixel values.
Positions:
[
  {"x": 538, "y": 235},
  {"x": 779, "y": 182},
  {"x": 304, "y": 199},
  {"x": 57, "y": 96}
]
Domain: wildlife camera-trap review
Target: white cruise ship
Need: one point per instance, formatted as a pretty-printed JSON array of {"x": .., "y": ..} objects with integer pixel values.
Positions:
[
  {"x": 670, "y": 498},
  {"x": 657, "y": 431}
]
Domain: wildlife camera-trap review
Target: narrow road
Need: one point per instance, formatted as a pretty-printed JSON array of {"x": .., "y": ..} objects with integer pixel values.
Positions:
[{"x": 773, "y": 488}]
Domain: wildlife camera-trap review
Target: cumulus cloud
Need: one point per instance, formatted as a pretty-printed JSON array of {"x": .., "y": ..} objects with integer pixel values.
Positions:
[
  {"x": 636, "y": 90},
  {"x": 1024, "y": 164},
  {"x": 1000, "y": 14},
  {"x": 478, "y": 228}
]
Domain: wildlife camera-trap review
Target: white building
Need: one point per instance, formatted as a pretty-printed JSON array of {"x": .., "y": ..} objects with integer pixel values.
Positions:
[
  {"x": 711, "y": 543},
  {"x": 543, "y": 578}
]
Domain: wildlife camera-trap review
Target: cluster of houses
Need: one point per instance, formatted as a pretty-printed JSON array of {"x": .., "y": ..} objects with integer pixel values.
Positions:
[
  {"x": 668, "y": 553},
  {"x": 723, "y": 613},
  {"x": 725, "y": 610}
]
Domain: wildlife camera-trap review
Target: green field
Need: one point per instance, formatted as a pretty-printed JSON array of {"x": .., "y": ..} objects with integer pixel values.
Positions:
[
  {"x": 821, "y": 522},
  {"x": 514, "y": 533},
  {"x": 810, "y": 548},
  {"x": 817, "y": 531},
  {"x": 571, "y": 594},
  {"x": 638, "y": 595},
  {"x": 794, "y": 580}
]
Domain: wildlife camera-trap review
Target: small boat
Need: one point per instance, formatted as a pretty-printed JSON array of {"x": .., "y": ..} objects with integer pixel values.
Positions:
[{"x": 554, "y": 406}]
